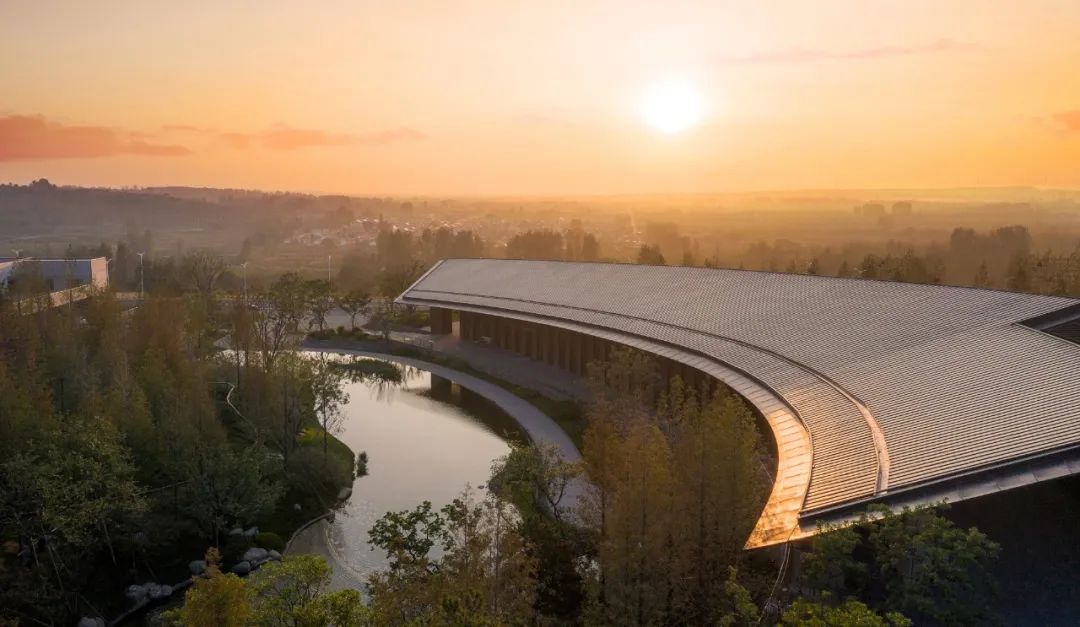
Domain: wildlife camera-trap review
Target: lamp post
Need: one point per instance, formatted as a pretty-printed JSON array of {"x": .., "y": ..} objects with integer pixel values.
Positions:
[
  {"x": 142, "y": 275},
  {"x": 328, "y": 274},
  {"x": 244, "y": 266}
]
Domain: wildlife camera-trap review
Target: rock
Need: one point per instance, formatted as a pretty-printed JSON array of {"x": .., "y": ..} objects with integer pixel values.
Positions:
[
  {"x": 136, "y": 593},
  {"x": 344, "y": 493},
  {"x": 241, "y": 568},
  {"x": 255, "y": 554},
  {"x": 296, "y": 507},
  {"x": 274, "y": 555},
  {"x": 251, "y": 533},
  {"x": 236, "y": 532},
  {"x": 88, "y": 621},
  {"x": 160, "y": 592},
  {"x": 197, "y": 567},
  {"x": 140, "y": 538}
]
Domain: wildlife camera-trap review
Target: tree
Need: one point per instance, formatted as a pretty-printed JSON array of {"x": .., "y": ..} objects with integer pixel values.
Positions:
[
  {"x": 650, "y": 256},
  {"x": 590, "y": 248},
  {"x": 354, "y": 303},
  {"x": 203, "y": 270},
  {"x": 294, "y": 592},
  {"x": 329, "y": 396},
  {"x": 851, "y": 613},
  {"x": 932, "y": 569},
  {"x": 228, "y": 487},
  {"x": 831, "y": 568},
  {"x": 216, "y": 599},
  {"x": 484, "y": 577},
  {"x": 673, "y": 493},
  {"x": 319, "y": 301},
  {"x": 541, "y": 244},
  {"x": 394, "y": 280},
  {"x": 535, "y": 472},
  {"x": 290, "y": 593},
  {"x": 277, "y": 316},
  {"x": 982, "y": 276}
]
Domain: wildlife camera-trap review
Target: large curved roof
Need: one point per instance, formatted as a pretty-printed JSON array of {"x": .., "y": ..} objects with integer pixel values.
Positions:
[{"x": 899, "y": 385}]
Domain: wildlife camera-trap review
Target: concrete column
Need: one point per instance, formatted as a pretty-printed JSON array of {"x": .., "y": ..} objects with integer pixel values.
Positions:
[{"x": 442, "y": 321}]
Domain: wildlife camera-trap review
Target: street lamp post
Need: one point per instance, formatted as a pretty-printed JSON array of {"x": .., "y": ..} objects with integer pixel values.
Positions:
[{"x": 142, "y": 276}]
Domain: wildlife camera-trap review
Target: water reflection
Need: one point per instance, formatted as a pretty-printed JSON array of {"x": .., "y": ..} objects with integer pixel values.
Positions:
[{"x": 426, "y": 438}]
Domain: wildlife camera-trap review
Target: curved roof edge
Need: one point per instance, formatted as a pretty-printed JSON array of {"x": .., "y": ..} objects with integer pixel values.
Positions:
[{"x": 779, "y": 519}]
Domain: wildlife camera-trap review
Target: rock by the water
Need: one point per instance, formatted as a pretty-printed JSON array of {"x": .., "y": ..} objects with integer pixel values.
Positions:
[
  {"x": 197, "y": 567},
  {"x": 344, "y": 493},
  {"x": 91, "y": 621},
  {"x": 274, "y": 555},
  {"x": 241, "y": 568},
  {"x": 159, "y": 591},
  {"x": 296, "y": 507},
  {"x": 251, "y": 533},
  {"x": 136, "y": 593},
  {"x": 236, "y": 532},
  {"x": 255, "y": 554}
]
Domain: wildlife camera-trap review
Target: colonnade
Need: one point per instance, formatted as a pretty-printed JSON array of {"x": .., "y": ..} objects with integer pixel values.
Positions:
[{"x": 563, "y": 348}]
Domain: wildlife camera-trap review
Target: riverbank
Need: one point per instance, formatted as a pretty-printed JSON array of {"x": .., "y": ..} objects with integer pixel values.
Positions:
[
  {"x": 553, "y": 391},
  {"x": 322, "y": 537}
]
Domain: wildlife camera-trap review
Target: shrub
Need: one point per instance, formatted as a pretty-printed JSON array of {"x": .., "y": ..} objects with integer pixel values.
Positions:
[
  {"x": 234, "y": 548},
  {"x": 270, "y": 541}
]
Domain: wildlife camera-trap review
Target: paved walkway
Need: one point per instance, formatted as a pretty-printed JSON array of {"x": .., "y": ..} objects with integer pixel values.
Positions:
[{"x": 540, "y": 428}]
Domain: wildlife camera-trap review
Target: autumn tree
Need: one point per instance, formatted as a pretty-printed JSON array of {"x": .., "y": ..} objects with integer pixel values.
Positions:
[
  {"x": 217, "y": 599},
  {"x": 674, "y": 489}
]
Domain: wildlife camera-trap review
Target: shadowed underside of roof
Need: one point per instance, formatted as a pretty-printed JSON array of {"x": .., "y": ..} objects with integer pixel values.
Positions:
[{"x": 897, "y": 384}]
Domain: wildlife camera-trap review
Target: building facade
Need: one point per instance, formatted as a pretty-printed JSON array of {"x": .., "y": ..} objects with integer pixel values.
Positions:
[{"x": 874, "y": 392}]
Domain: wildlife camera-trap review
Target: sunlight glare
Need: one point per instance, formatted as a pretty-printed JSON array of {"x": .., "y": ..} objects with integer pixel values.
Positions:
[{"x": 672, "y": 106}]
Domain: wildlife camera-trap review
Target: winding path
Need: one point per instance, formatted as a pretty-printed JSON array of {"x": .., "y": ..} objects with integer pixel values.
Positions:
[{"x": 540, "y": 428}]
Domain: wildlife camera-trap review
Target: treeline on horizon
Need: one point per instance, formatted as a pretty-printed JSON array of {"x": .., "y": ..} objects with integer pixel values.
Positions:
[{"x": 1022, "y": 246}]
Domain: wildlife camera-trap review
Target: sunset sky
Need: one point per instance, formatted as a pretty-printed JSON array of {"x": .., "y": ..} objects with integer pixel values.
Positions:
[{"x": 539, "y": 97}]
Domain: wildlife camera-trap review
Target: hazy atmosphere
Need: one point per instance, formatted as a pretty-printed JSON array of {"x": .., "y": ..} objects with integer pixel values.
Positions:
[
  {"x": 553, "y": 97},
  {"x": 590, "y": 313}
]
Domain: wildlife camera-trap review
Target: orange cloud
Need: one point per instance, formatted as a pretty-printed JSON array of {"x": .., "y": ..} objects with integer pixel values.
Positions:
[
  {"x": 285, "y": 137},
  {"x": 802, "y": 55},
  {"x": 1068, "y": 121},
  {"x": 24, "y": 137}
]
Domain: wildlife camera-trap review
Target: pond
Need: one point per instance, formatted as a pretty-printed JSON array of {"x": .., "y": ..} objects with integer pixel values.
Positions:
[{"x": 426, "y": 438}]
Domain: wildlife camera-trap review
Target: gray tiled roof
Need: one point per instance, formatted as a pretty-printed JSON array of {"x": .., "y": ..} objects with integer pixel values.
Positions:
[{"x": 942, "y": 376}]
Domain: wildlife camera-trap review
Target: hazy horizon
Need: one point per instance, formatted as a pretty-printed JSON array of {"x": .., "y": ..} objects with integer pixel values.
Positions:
[{"x": 535, "y": 99}]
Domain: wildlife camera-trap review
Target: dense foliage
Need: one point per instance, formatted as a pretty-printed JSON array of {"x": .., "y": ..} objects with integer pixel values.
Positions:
[{"x": 132, "y": 442}]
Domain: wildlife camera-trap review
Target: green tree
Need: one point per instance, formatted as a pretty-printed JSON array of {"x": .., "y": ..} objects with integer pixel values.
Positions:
[
  {"x": 293, "y": 593},
  {"x": 932, "y": 569},
  {"x": 485, "y": 575},
  {"x": 354, "y": 303},
  {"x": 851, "y": 613},
  {"x": 227, "y": 487},
  {"x": 831, "y": 567}
]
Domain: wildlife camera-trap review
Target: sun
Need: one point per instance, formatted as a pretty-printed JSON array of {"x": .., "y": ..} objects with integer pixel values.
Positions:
[{"x": 672, "y": 106}]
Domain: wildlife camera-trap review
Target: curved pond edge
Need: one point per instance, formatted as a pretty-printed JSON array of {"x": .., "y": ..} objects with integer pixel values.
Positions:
[{"x": 540, "y": 428}]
